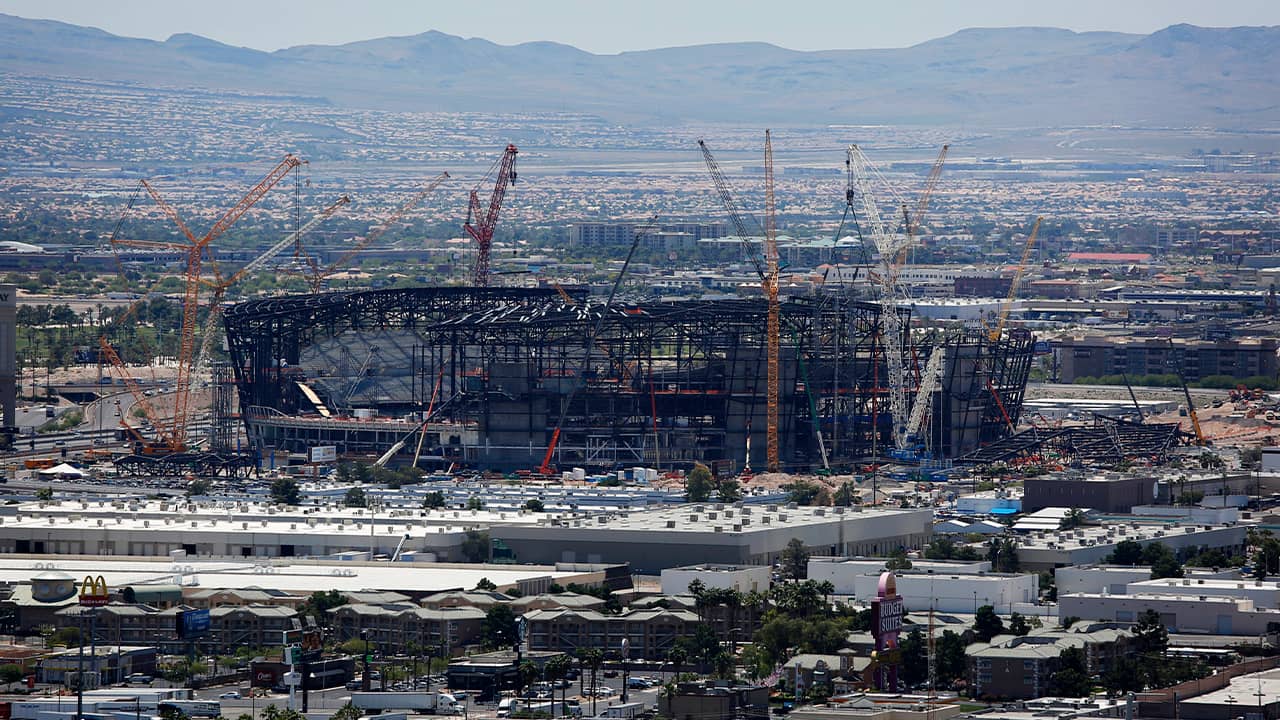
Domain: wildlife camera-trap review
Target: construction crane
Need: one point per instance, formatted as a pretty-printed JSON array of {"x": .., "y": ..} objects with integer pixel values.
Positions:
[
  {"x": 769, "y": 282},
  {"x": 740, "y": 222},
  {"x": 994, "y": 333},
  {"x": 774, "y": 322},
  {"x": 487, "y": 220},
  {"x": 888, "y": 246},
  {"x": 912, "y": 221},
  {"x": 565, "y": 402},
  {"x": 1191, "y": 411},
  {"x": 924, "y": 396},
  {"x": 221, "y": 285},
  {"x": 172, "y": 434},
  {"x": 319, "y": 275}
]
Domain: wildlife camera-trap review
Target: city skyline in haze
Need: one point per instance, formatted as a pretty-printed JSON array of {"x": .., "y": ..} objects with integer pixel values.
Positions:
[{"x": 610, "y": 27}]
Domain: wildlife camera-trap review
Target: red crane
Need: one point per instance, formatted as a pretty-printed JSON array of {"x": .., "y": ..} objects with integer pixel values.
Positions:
[{"x": 482, "y": 231}]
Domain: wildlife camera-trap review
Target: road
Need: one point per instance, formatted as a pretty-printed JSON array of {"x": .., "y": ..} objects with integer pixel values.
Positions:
[{"x": 323, "y": 703}]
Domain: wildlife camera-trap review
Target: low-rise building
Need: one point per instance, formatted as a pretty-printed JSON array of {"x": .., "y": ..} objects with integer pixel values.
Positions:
[
  {"x": 1045, "y": 549},
  {"x": 1180, "y": 613},
  {"x": 743, "y": 578},
  {"x": 715, "y": 702},
  {"x": 651, "y": 633},
  {"x": 942, "y": 586},
  {"x": 1013, "y": 666}
]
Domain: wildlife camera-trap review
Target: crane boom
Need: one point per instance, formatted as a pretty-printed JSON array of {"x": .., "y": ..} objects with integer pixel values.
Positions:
[
  {"x": 924, "y": 395},
  {"x": 736, "y": 217},
  {"x": 1013, "y": 285},
  {"x": 486, "y": 222},
  {"x": 318, "y": 274},
  {"x": 215, "y": 307}
]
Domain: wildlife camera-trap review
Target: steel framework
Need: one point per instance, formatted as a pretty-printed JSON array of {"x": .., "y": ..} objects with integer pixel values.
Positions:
[{"x": 667, "y": 383}]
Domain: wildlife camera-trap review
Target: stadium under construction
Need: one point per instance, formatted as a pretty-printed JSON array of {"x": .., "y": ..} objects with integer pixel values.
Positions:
[{"x": 494, "y": 371}]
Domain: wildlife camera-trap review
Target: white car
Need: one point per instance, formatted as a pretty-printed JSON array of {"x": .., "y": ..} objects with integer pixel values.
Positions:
[{"x": 230, "y": 695}]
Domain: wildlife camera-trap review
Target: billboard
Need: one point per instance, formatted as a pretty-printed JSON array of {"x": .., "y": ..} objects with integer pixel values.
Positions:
[
  {"x": 192, "y": 623},
  {"x": 324, "y": 454}
]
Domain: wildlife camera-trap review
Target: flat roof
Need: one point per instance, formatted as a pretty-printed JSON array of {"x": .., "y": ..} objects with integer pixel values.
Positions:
[{"x": 301, "y": 576}]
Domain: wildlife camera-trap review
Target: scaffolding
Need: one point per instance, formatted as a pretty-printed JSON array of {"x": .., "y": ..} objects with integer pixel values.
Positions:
[{"x": 669, "y": 383}]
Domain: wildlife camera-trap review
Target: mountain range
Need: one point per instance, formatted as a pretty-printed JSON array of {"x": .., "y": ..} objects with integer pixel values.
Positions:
[{"x": 1180, "y": 76}]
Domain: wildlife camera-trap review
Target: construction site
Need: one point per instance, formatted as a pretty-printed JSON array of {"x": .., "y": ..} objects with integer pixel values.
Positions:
[{"x": 510, "y": 378}]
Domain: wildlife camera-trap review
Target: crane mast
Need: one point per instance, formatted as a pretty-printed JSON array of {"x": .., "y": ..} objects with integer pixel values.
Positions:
[
  {"x": 774, "y": 310},
  {"x": 486, "y": 221},
  {"x": 887, "y": 246}
]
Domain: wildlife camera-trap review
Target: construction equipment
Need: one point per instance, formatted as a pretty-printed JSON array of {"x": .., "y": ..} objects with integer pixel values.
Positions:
[
  {"x": 482, "y": 231},
  {"x": 545, "y": 467},
  {"x": 770, "y": 286},
  {"x": 768, "y": 273},
  {"x": 888, "y": 246},
  {"x": 221, "y": 285},
  {"x": 912, "y": 221},
  {"x": 924, "y": 395},
  {"x": 995, "y": 332},
  {"x": 1133, "y": 396},
  {"x": 319, "y": 275},
  {"x": 172, "y": 432},
  {"x": 1191, "y": 411}
]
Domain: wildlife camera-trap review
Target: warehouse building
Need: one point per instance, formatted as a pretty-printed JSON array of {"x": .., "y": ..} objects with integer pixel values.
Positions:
[{"x": 654, "y": 540}]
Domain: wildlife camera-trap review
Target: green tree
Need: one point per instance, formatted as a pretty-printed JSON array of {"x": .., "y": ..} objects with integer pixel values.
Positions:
[
  {"x": 915, "y": 658},
  {"x": 534, "y": 505},
  {"x": 499, "y": 627},
  {"x": 898, "y": 560},
  {"x": 475, "y": 546},
  {"x": 433, "y": 500},
  {"x": 729, "y": 491},
  {"x": 356, "y": 498},
  {"x": 846, "y": 495},
  {"x": 475, "y": 503},
  {"x": 1072, "y": 677},
  {"x": 987, "y": 624},
  {"x": 1125, "y": 675},
  {"x": 802, "y": 492},
  {"x": 951, "y": 658},
  {"x": 285, "y": 491},
  {"x": 1127, "y": 552},
  {"x": 795, "y": 559},
  {"x": 321, "y": 604},
  {"x": 1150, "y": 635},
  {"x": 44, "y": 494},
  {"x": 347, "y": 712},
  {"x": 1018, "y": 625},
  {"x": 10, "y": 673},
  {"x": 486, "y": 584},
  {"x": 697, "y": 486}
]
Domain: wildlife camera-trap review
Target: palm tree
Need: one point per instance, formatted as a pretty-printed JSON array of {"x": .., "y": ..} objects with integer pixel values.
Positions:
[
  {"x": 678, "y": 658},
  {"x": 590, "y": 658}
]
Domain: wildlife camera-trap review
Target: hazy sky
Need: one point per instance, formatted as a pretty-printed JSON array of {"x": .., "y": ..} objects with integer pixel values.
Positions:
[{"x": 610, "y": 26}]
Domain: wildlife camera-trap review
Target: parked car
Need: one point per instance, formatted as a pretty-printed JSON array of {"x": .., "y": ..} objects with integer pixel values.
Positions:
[
  {"x": 138, "y": 679},
  {"x": 230, "y": 695}
]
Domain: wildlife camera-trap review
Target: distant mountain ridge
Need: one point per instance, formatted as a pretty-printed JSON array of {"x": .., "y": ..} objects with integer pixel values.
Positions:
[{"x": 1182, "y": 75}]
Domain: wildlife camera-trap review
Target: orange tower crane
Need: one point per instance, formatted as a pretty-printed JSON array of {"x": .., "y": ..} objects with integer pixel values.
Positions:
[
  {"x": 487, "y": 220},
  {"x": 774, "y": 322}
]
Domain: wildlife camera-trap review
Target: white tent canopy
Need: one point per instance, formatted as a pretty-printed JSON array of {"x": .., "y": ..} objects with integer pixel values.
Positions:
[{"x": 63, "y": 471}]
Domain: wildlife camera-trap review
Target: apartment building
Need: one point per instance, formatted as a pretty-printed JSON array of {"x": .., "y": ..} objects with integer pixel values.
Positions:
[
  {"x": 1021, "y": 667},
  {"x": 397, "y": 628},
  {"x": 1095, "y": 356},
  {"x": 651, "y": 633}
]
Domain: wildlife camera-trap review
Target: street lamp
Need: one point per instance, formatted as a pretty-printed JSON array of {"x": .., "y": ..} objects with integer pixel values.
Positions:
[{"x": 364, "y": 678}]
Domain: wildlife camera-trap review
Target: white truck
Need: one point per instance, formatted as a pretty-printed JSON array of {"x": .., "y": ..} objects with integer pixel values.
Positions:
[{"x": 424, "y": 703}]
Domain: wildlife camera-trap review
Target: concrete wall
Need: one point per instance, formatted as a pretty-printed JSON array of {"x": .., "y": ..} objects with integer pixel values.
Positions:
[{"x": 1098, "y": 579}]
